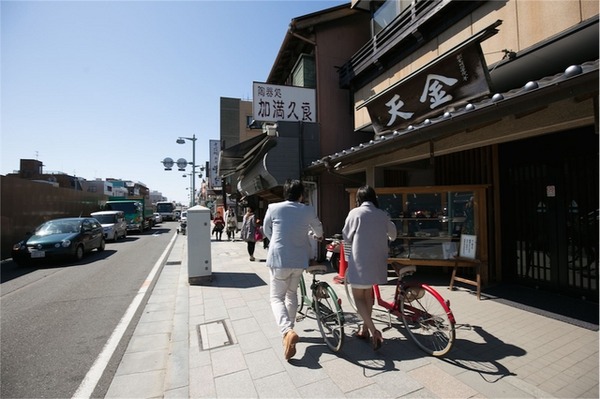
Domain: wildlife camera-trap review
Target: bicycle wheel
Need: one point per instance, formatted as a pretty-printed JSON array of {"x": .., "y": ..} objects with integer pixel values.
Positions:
[
  {"x": 329, "y": 315},
  {"x": 427, "y": 319},
  {"x": 349, "y": 294}
]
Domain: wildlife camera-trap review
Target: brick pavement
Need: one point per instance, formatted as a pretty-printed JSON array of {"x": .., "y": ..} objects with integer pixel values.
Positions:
[{"x": 221, "y": 341}]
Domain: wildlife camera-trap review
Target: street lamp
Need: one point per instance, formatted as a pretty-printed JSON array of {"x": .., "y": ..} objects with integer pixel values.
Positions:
[{"x": 181, "y": 140}]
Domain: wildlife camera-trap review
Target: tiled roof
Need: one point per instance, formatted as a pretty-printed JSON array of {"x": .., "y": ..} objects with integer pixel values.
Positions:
[{"x": 575, "y": 80}]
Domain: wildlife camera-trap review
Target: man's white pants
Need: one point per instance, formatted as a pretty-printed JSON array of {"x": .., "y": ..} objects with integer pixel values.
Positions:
[{"x": 284, "y": 296}]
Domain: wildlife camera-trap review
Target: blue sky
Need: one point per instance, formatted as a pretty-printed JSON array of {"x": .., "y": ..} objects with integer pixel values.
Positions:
[{"x": 102, "y": 89}]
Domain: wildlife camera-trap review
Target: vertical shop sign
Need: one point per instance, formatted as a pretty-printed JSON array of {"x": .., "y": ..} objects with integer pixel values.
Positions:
[{"x": 215, "y": 151}]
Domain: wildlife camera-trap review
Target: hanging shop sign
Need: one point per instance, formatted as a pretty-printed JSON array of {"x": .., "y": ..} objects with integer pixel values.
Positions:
[
  {"x": 456, "y": 77},
  {"x": 272, "y": 103},
  {"x": 213, "y": 176}
]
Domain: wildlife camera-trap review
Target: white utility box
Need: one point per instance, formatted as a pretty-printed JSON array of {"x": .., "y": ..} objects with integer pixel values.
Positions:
[{"x": 199, "y": 254}]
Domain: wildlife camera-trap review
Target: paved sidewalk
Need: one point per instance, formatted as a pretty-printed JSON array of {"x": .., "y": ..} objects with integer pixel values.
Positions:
[{"x": 221, "y": 341}]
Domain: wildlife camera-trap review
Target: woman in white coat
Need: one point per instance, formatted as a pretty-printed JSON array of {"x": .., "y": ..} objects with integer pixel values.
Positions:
[{"x": 366, "y": 233}]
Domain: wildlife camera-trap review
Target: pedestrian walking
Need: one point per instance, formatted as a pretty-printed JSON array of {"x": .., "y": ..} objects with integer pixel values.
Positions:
[
  {"x": 219, "y": 223},
  {"x": 231, "y": 223},
  {"x": 248, "y": 231},
  {"x": 366, "y": 232},
  {"x": 286, "y": 225}
]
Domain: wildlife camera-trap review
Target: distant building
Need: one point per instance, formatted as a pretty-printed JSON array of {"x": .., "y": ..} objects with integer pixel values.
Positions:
[
  {"x": 131, "y": 188},
  {"x": 32, "y": 169},
  {"x": 156, "y": 196},
  {"x": 102, "y": 187}
]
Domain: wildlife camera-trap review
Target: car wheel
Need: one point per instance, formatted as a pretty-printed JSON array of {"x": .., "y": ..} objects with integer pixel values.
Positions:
[
  {"x": 102, "y": 245},
  {"x": 22, "y": 262},
  {"x": 79, "y": 252}
]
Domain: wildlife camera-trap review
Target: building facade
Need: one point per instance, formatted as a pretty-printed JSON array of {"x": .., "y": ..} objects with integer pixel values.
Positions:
[
  {"x": 314, "y": 46},
  {"x": 478, "y": 95},
  {"x": 471, "y": 119}
]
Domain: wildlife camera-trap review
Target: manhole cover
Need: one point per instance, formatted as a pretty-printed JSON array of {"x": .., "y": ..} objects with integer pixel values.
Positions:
[{"x": 213, "y": 335}]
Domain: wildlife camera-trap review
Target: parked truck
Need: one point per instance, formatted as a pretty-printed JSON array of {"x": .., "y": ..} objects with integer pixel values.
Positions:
[{"x": 138, "y": 211}]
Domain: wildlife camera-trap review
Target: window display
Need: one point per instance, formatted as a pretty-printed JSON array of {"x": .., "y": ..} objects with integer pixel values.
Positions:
[{"x": 431, "y": 220}]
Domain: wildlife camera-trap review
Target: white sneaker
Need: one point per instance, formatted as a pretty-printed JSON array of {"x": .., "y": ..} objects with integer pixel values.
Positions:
[{"x": 252, "y": 259}]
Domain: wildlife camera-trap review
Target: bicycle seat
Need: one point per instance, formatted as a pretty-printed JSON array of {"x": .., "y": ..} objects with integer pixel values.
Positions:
[
  {"x": 317, "y": 269},
  {"x": 403, "y": 271}
]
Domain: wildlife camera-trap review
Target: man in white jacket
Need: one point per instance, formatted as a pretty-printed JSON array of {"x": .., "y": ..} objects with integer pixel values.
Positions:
[{"x": 286, "y": 225}]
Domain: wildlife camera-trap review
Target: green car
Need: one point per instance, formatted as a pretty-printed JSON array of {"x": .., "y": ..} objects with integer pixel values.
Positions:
[{"x": 67, "y": 238}]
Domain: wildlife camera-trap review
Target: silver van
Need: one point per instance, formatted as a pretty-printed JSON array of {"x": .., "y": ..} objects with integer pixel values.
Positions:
[{"x": 113, "y": 223}]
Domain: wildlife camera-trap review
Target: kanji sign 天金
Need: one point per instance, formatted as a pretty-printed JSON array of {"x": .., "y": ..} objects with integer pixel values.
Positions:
[{"x": 457, "y": 77}]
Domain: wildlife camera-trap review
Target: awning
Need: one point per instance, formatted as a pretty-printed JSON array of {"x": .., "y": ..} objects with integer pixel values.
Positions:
[
  {"x": 262, "y": 164},
  {"x": 235, "y": 159}
]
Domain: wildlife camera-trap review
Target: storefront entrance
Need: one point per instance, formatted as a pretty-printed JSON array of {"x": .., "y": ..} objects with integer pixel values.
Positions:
[{"x": 549, "y": 210}]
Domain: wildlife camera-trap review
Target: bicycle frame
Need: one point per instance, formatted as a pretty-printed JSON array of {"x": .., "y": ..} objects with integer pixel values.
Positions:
[
  {"x": 425, "y": 314},
  {"x": 394, "y": 307},
  {"x": 326, "y": 306},
  {"x": 304, "y": 298}
]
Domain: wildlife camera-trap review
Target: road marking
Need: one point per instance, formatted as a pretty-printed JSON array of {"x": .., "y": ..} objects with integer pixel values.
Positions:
[{"x": 92, "y": 377}]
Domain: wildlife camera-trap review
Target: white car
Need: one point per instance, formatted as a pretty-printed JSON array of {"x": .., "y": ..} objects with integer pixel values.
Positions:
[
  {"x": 157, "y": 218},
  {"x": 113, "y": 223}
]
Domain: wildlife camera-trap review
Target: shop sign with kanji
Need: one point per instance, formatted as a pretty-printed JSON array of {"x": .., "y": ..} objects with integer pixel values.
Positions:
[
  {"x": 454, "y": 78},
  {"x": 272, "y": 103}
]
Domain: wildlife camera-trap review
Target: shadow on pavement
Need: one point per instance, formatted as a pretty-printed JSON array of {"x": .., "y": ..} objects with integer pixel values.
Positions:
[{"x": 236, "y": 280}]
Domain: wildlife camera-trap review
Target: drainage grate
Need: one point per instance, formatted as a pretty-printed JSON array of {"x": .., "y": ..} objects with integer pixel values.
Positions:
[
  {"x": 173, "y": 262},
  {"x": 213, "y": 335}
]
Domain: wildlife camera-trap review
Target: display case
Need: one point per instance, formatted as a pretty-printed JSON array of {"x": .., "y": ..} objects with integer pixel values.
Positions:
[{"x": 430, "y": 221}]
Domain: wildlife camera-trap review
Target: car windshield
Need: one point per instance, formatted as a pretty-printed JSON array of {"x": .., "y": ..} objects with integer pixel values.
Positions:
[
  {"x": 59, "y": 227},
  {"x": 127, "y": 207},
  {"x": 162, "y": 207},
  {"x": 105, "y": 219}
]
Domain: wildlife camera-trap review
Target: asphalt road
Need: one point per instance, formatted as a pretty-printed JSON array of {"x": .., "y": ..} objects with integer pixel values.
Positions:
[{"x": 56, "y": 319}]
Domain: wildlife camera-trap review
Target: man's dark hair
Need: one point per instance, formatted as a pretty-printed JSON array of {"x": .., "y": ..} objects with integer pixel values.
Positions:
[
  {"x": 366, "y": 193},
  {"x": 293, "y": 190}
]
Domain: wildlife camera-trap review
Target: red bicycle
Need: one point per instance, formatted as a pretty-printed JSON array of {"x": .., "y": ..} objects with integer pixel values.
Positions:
[{"x": 426, "y": 315}]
